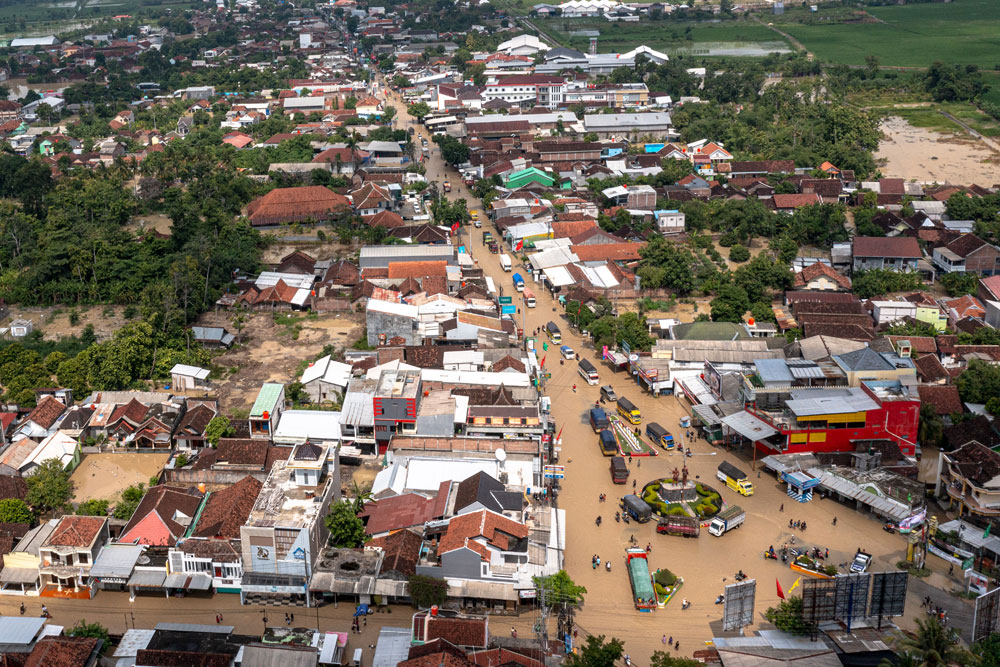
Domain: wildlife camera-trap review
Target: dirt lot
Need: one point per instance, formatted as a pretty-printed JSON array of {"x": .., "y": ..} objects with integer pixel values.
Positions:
[
  {"x": 151, "y": 221},
  {"x": 270, "y": 353},
  {"x": 105, "y": 476},
  {"x": 54, "y": 322},
  {"x": 919, "y": 154}
]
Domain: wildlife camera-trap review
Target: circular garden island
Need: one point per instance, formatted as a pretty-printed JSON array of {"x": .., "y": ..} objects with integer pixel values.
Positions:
[{"x": 672, "y": 497}]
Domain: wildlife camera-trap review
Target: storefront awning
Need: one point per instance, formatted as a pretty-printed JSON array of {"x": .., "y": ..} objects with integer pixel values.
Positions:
[
  {"x": 197, "y": 581},
  {"x": 749, "y": 426},
  {"x": 485, "y": 590},
  {"x": 18, "y": 575},
  {"x": 148, "y": 578}
]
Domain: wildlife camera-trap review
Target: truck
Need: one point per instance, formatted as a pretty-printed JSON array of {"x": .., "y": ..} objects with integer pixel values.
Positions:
[
  {"x": 505, "y": 262},
  {"x": 598, "y": 419},
  {"x": 518, "y": 282},
  {"x": 862, "y": 559},
  {"x": 726, "y": 520},
  {"x": 588, "y": 372},
  {"x": 687, "y": 526},
  {"x": 529, "y": 298},
  {"x": 628, "y": 411},
  {"x": 619, "y": 470},
  {"x": 447, "y": 186},
  {"x": 660, "y": 435},
  {"x": 637, "y": 508},
  {"x": 734, "y": 478},
  {"x": 608, "y": 443},
  {"x": 552, "y": 329}
]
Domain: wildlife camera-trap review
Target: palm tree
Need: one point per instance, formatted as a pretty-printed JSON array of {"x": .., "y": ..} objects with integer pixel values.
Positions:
[
  {"x": 362, "y": 494},
  {"x": 933, "y": 645}
]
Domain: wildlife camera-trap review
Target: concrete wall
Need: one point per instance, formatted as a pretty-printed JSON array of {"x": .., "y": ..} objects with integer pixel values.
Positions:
[{"x": 390, "y": 325}]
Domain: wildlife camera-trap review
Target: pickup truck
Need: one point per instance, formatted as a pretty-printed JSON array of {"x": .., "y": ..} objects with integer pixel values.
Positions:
[
  {"x": 861, "y": 561},
  {"x": 688, "y": 526},
  {"x": 567, "y": 352},
  {"x": 726, "y": 520},
  {"x": 608, "y": 392}
]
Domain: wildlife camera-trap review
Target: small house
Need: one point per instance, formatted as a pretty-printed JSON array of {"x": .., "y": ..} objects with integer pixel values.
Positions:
[{"x": 189, "y": 378}]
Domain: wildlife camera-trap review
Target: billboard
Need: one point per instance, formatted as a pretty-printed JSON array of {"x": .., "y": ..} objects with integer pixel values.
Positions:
[
  {"x": 737, "y": 610},
  {"x": 986, "y": 618},
  {"x": 851, "y": 596},
  {"x": 888, "y": 594},
  {"x": 713, "y": 378},
  {"x": 819, "y": 598}
]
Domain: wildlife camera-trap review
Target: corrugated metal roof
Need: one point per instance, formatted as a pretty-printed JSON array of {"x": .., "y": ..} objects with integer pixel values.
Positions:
[
  {"x": 773, "y": 370},
  {"x": 133, "y": 641},
  {"x": 20, "y": 629},
  {"x": 749, "y": 426},
  {"x": 267, "y": 399},
  {"x": 803, "y": 368},
  {"x": 852, "y": 490},
  {"x": 829, "y": 401},
  {"x": 116, "y": 560},
  {"x": 393, "y": 646}
]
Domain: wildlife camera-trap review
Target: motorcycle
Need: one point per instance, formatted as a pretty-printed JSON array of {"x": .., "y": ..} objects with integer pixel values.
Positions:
[
  {"x": 720, "y": 599},
  {"x": 618, "y": 517},
  {"x": 739, "y": 576},
  {"x": 888, "y": 527},
  {"x": 626, "y": 519},
  {"x": 770, "y": 556},
  {"x": 685, "y": 604}
]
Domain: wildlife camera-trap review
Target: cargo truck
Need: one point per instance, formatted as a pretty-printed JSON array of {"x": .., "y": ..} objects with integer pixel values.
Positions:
[
  {"x": 637, "y": 508},
  {"x": 505, "y": 263},
  {"x": 619, "y": 470},
  {"x": 552, "y": 329},
  {"x": 628, "y": 411},
  {"x": 598, "y": 419},
  {"x": 734, "y": 478},
  {"x": 518, "y": 282},
  {"x": 726, "y": 520},
  {"x": 660, "y": 435},
  {"x": 687, "y": 526},
  {"x": 609, "y": 445},
  {"x": 588, "y": 372}
]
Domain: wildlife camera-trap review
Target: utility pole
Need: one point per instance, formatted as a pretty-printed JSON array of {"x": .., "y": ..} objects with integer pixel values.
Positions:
[{"x": 543, "y": 621}]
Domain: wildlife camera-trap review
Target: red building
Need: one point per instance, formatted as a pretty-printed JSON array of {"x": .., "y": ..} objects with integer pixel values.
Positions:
[{"x": 836, "y": 419}]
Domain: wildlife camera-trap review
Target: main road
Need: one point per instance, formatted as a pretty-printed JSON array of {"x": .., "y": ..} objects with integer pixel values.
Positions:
[{"x": 707, "y": 564}]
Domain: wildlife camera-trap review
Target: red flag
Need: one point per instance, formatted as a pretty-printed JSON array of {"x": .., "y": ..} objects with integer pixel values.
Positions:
[
  {"x": 454, "y": 227},
  {"x": 543, "y": 361},
  {"x": 781, "y": 593},
  {"x": 520, "y": 244},
  {"x": 559, "y": 437}
]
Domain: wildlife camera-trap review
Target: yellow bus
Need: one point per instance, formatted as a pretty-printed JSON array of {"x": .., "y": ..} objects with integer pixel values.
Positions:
[{"x": 629, "y": 412}]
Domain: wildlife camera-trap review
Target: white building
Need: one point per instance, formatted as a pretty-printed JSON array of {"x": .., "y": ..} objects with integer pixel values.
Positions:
[
  {"x": 522, "y": 45},
  {"x": 326, "y": 379}
]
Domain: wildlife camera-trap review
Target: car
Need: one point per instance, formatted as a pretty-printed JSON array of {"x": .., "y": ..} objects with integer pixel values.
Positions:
[
  {"x": 477, "y": 223},
  {"x": 567, "y": 352},
  {"x": 608, "y": 392},
  {"x": 861, "y": 561}
]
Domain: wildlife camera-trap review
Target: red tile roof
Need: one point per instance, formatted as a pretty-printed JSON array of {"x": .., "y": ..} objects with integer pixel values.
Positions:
[
  {"x": 387, "y": 219},
  {"x": 403, "y": 511},
  {"x": 966, "y": 306},
  {"x": 919, "y": 344},
  {"x": 886, "y": 246},
  {"x": 402, "y": 551},
  {"x": 569, "y": 229},
  {"x": 48, "y": 410},
  {"x": 133, "y": 411},
  {"x": 818, "y": 270},
  {"x": 167, "y": 503},
  {"x": 796, "y": 200},
  {"x": 282, "y": 205},
  {"x": 616, "y": 252},
  {"x": 76, "y": 531},
  {"x": 63, "y": 652},
  {"x": 417, "y": 269},
  {"x": 943, "y": 397},
  {"x": 498, "y": 530},
  {"x": 228, "y": 509}
]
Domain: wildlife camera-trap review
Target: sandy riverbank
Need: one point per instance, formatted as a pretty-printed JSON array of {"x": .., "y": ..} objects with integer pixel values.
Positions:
[{"x": 915, "y": 153}]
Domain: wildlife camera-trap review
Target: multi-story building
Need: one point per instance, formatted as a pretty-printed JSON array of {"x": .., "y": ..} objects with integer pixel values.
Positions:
[
  {"x": 69, "y": 551},
  {"x": 970, "y": 475},
  {"x": 527, "y": 90},
  {"x": 834, "y": 419},
  {"x": 285, "y": 532},
  {"x": 395, "y": 405}
]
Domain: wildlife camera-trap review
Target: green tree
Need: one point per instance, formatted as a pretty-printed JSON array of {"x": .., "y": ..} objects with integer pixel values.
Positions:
[
  {"x": 84, "y": 629},
  {"x": 739, "y": 253},
  {"x": 979, "y": 383},
  {"x": 787, "y": 617},
  {"x": 219, "y": 427},
  {"x": 15, "y": 510},
  {"x": 958, "y": 284},
  {"x": 418, "y": 110},
  {"x": 359, "y": 496},
  {"x": 663, "y": 659},
  {"x": 989, "y": 650},
  {"x": 347, "y": 531},
  {"x": 131, "y": 497},
  {"x": 730, "y": 304},
  {"x": 559, "y": 589},
  {"x": 931, "y": 430},
  {"x": 425, "y": 592},
  {"x": 49, "y": 487},
  {"x": 934, "y": 645},
  {"x": 595, "y": 652},
  {"x": 93, "y": 507}
]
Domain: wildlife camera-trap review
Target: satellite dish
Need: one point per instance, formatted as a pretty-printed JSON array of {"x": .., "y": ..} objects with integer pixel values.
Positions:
[{"x": 501, "y": 455}]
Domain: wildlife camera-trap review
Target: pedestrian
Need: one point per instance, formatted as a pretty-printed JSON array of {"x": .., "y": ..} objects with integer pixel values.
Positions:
[
  {"x": 221, "y": 618},
  {"x": 827, "y": 555},
  {"x": 22, "y": 609},
  {"x": 598, "y": 561},
  {"x": 835, "y": 521},
  {"x": 664, "y": 640},
  {"x": 638, "y": 464},
  {"x": 951, "y": 569},
  {"x": 671, "y": 641},
  {"x": 513, "y": 632},
  {"x": 292, "y": 616},
  {"x": 630, "y": 459},
  {"x": 633, "y": 485},
  {"x": 217, "y": 621},
  {"x": 287, "y": 620},
  {"x": 677, "y": 646},
  {"x": 782, "y": 508}
]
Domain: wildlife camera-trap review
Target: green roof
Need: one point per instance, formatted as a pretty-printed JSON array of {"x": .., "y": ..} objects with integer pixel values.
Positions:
[
  {"x": 710, "y": 331},
  {"x": 267, "y": 398}
]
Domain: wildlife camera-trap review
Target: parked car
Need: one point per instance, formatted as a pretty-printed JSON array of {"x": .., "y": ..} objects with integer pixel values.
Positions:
[
  {"x": 861, "y": 561},
  {"x": 567, "y": 352}
]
